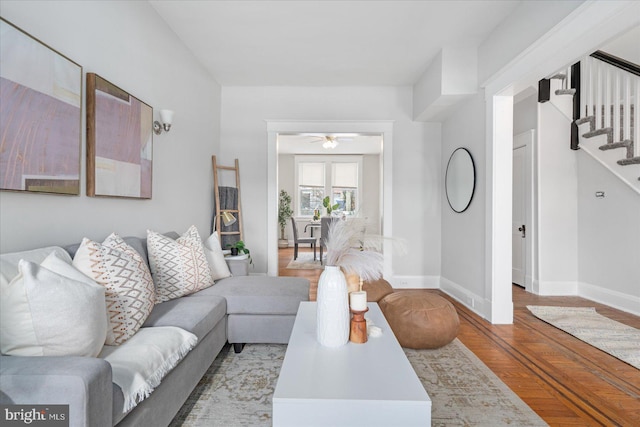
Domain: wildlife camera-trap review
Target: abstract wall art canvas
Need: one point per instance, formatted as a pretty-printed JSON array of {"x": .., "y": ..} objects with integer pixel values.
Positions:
[
  {"x": 40, "y": 116},
  {"x": 119, "y": 142}
]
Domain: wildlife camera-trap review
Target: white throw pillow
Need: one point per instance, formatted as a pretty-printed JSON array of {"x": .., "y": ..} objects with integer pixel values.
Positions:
[
  {"x": 9, "y": 261},
  {"x": 179, "y": 267},
  {"x": 52, "y": 310},
  {"x": 142, "y": 362},
  {"x": 129, "y": 290},
  {"x": 215, "y": 257}
]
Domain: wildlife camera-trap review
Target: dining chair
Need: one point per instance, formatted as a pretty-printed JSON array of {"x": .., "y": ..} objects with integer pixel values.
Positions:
[{"x": 304, "y": 240}]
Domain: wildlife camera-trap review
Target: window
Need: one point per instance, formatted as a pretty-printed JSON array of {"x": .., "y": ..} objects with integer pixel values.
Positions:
[
  {"x": 344, "y": 186},
  {"x": 339, "y": 177},
  {"x": 311, "y": 183}
]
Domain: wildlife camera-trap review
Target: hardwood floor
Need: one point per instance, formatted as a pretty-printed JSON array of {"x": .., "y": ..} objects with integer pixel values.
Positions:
[
  {"x": 564, "y": 380},
  {"x": 285, "y": 256}
]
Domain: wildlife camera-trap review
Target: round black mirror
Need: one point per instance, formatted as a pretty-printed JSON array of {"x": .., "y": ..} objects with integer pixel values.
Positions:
[{"x": 460, "y": 180}]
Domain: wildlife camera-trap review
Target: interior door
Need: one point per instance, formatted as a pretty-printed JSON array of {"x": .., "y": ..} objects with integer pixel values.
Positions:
[{"x": 518, "y": 228}]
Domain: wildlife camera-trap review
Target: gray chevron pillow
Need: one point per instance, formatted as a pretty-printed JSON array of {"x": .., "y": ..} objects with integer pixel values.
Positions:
[
  {"x": 179, "y": 267},
  {"x": 129, "y": 290}
]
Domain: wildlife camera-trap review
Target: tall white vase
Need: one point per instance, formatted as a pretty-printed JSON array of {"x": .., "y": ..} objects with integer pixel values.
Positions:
[{"x": 333, "y": 308}]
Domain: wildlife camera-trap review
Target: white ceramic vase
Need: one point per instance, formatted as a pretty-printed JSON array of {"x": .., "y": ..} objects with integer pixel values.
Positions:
[{"x": 333, "y": 308}]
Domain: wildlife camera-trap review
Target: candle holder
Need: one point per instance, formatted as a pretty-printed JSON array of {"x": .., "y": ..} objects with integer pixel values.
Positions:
[{"x": 358, "y": 332}]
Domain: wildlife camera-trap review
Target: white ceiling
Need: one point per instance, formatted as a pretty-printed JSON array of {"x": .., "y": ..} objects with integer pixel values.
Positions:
[
  {"x": 326, "y": 43},
  {"x": 626, "y": 46},
  {"x": 330, "y": 43}
]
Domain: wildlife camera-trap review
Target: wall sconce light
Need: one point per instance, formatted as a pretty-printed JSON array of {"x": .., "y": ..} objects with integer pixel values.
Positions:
[
  {"x": 227, "y": 218},
  {"x": 167, "y": 117}
]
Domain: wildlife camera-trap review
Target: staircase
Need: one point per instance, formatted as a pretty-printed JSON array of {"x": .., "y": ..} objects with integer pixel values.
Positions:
[{"x": 607, "y": 130}]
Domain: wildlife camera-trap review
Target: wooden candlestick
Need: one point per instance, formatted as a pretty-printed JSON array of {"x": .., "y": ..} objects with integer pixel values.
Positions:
[{"x": 358, "y": 332}]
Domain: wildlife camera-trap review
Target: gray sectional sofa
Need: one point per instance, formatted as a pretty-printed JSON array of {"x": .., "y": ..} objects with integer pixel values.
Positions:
[{"x": 238, "y": 310}]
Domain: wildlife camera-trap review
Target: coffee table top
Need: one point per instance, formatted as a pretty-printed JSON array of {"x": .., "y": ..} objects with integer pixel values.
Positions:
[{"x": 375, "y": 371}]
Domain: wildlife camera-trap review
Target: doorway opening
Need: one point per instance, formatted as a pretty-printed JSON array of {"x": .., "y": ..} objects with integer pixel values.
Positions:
[{"x": 306, "y": 140}]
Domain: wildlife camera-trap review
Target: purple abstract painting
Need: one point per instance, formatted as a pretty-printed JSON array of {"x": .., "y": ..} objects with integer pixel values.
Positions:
[
  {"x": 40, "y": 116},
  {"x": 119, "y": 142}
]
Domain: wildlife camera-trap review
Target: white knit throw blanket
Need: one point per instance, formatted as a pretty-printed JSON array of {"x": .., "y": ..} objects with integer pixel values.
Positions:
[{"x": 143, "y": 360}]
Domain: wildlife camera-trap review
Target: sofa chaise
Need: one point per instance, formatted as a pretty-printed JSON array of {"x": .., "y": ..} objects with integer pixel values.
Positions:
[{"x": 237, "y": 309}]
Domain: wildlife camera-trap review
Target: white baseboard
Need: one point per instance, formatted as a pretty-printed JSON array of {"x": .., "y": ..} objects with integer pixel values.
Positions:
[
  {"x": 547, "y": 288},
  {"x": 474, "y": 302},
  {"x": 415, "y": 282},
  {"x": 619, "y": 300}
]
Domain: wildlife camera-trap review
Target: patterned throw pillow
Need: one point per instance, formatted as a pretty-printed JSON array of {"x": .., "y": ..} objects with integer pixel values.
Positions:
[
  {"x": 129, "y": 290},
  {"x": 179, "y": 267}
]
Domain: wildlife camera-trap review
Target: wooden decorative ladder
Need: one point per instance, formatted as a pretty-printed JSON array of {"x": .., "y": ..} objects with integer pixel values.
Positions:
[{"x": 237, "y": 212}]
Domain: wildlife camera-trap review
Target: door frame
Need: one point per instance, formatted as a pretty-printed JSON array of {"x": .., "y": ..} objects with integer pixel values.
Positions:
[
  {"x": 527, "y": 139},
  {"x": 382, "y": 127}
]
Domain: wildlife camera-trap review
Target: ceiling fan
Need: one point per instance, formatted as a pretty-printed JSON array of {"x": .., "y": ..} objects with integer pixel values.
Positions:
[{"x": 332, "y": 140}]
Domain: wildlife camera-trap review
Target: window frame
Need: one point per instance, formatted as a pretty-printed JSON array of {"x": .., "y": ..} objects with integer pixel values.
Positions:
[{"x": 328, "y": 161}]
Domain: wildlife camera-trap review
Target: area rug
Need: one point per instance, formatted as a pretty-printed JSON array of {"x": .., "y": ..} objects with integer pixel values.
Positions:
[
  {"x": 617, "y": 339},
  {"x": 305, "y": 262},
  {"x": 237, "y": 389}
]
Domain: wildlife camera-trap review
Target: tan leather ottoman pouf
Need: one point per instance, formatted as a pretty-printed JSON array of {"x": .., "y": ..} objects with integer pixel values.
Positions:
[
  {"x": 420, "y": 319},
  {"x": 377, "y": 289}
]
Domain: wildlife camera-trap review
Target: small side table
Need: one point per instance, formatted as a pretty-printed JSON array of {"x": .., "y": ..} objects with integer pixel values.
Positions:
[{"x": 238, "y": 265}]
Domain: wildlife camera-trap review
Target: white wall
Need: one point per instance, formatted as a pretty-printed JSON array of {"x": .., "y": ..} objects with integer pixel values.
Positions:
[
  {"x": 506, "y": 59},
  {"x": 591, "y": 250},
  {"x": 584, "y": 29},
  {"x": 371, "y": 209},
  {"x": 463, "y": 234},
  {"x": 416, "y": 160},
  {"x": 557, "y": 204},
  {"x": 128, "y": 44},
  {"x": 608, "y": 237},
  {"x": 528, "y": 23},
  {"x": 525, "y": 114}
]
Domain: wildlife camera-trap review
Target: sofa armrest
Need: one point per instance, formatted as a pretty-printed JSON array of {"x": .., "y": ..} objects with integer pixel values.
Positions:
[{"x": 83, "y": 383}]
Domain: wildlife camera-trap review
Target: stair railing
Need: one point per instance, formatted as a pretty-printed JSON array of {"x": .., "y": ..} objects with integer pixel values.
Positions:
[{"x": 610, "y": 89}]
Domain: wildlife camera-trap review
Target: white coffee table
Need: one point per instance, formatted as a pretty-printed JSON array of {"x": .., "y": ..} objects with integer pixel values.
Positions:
[{"x": 371, "y": 384}]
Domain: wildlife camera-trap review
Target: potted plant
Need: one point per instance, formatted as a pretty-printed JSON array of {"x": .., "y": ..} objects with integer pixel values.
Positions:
[
  {"x": 239, "y": 248},
  {"x": 326, "y": 202},
  {"x": 284, "y": 213}
]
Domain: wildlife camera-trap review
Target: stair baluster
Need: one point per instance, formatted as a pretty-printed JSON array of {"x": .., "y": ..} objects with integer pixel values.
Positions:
[{"x": 611, "y": 90}]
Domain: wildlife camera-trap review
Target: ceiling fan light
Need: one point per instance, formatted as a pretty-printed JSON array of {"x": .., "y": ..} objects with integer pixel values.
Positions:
[{"x": 330, "y": 143}]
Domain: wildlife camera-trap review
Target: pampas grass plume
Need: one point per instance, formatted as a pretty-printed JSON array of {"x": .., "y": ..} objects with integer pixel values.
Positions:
[{"x": 349, "y": 247}]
